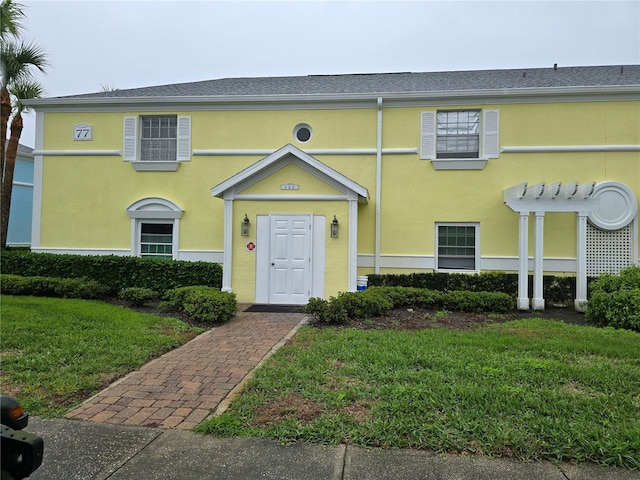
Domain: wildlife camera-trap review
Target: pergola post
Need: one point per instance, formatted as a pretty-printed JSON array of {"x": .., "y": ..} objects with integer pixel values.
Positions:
[
  {"x": 538, "y": 296},
  {"x": 581, "y": 262},
  {"x": 523, "y": 259}
]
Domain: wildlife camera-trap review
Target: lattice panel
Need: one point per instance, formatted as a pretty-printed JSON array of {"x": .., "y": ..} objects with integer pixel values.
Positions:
[{"x": 608, "y": 251}]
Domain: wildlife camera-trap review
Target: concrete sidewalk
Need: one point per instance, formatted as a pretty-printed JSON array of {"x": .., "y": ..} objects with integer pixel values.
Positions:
[{"x": 81, "y": 450}]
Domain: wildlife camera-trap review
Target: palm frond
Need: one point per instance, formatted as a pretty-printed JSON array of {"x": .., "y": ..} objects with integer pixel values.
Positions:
[
  {"x": 19, "y": 59},
  {"x": 25, "y": 90},
  {"x": 11, "y": 16}
]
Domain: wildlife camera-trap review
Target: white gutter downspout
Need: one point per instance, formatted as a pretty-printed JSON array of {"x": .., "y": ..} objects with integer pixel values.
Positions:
[{"x": 376, "y": 261}]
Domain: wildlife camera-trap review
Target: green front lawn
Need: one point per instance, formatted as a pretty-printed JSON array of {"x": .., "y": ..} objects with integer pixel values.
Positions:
[
  {"x": 527, "y": 389},
  {"x": 57, "y": 352}
]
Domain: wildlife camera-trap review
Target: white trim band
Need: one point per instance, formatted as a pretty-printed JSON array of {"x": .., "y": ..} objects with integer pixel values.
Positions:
[
  {"x": 427, "y": 262},
  {"x": 570, "y": 148},
  {"x": 326, "y": 151},
  {"x": 212, "y": 256},
  {"x": 78, "y": 153},
  {"x": 84, "y": 251}
]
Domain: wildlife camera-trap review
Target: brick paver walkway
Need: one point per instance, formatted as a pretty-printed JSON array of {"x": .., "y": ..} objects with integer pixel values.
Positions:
[{"x": 179, "y": 389}]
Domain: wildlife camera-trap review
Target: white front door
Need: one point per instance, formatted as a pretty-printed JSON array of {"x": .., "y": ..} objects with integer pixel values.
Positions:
[{"x": 290, "y": 259}]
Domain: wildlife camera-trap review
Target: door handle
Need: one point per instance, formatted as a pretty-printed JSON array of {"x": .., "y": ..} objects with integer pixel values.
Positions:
[{"x": 273, "y": 264}]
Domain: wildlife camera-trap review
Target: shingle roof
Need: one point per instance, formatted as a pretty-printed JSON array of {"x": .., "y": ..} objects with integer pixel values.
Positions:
[{"x": 379, "y": 83}]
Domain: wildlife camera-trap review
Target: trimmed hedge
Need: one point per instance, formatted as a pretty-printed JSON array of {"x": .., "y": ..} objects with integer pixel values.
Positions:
[
  {"x": 555, "y": 289},
  {"x": 52, "y": 287},
  {"x": 137, "y": 296},
  {"x": 205, "y": 304},
  {"x": 377, "y": 301},
  {"x": 113, "y": 271},
  {"x": 615, "y": 300}
]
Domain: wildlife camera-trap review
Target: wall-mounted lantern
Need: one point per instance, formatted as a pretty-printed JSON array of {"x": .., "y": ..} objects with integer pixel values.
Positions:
[
  {"x": 334, "y": 227},
  {"x": 244, "y": 226}
]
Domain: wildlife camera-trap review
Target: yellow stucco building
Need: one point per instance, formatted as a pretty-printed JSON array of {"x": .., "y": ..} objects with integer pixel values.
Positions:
[{"x": 298, "y": 185}]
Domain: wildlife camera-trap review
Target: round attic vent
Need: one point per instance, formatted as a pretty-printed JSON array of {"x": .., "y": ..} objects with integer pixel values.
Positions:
[
  {"x": 302, "y": 132},
  {"x": 618, "y": 206}
]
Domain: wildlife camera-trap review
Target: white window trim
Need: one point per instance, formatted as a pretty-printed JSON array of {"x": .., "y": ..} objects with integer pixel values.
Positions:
[
  {"x": 137, "y": 244},
  {"x": 489, "y": 142},
  {"x": 154, "y": 210},
  {"x": 476, "y": 225},
  {"x": 131, "y": 146}
]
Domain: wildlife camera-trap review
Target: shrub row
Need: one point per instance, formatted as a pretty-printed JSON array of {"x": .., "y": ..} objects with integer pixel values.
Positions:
[
  {"x": 615, "y": 300},
  {"x": 52, "y": 287},
  {"x": 113, "y": 271},
  {"x": 377, "y": 301},
  {"x": 555, "y": 289},
  {"x": 201, "y": 303},
  {"x": 137, "y": 296}
]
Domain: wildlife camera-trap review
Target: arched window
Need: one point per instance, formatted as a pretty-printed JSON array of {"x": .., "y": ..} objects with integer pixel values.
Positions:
[{"x": 155, "y": 226}]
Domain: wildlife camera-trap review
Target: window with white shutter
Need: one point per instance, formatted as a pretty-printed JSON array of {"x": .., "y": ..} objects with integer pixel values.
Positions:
[
  {"x": 459, "y": 139},
  {"x": 157, "y": 142}
]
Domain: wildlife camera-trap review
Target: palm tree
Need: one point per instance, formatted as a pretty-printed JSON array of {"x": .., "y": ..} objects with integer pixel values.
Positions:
[
  {"x": 16, "y": 79},
  {"x": 21, "y": 91},
  {"x": 11, "y": 16}
]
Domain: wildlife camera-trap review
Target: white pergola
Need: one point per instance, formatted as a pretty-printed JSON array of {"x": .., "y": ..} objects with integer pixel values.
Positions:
[{"x": 540, "y": 199}]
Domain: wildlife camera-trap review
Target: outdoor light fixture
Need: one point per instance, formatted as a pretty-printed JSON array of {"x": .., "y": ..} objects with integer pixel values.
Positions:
[
  {"x": 334, "y": 227},
  {"x": 244, "y": 226}
]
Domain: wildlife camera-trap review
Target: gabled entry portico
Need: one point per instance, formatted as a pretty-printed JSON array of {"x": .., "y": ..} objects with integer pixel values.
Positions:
[{"x": 288, "y": 254}]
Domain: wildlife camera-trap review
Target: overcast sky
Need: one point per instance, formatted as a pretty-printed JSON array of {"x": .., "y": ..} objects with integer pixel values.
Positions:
[{"x": 126, "y": 44}]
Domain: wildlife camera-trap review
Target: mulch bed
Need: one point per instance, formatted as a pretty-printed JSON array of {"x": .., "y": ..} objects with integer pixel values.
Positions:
[
  {"x": 405, "y": 318},
  {"x": 419, "y": 318}
]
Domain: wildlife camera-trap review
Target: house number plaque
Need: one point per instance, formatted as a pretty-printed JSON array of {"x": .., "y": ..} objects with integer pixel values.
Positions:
[
  {"x": 289, "y": 186},
  {"x": 82, "y": 132}
]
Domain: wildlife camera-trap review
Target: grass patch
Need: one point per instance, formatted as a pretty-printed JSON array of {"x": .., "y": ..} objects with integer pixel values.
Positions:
[
  {"x": 57, "y": 352},
  {"x": 527, "y": 389}
]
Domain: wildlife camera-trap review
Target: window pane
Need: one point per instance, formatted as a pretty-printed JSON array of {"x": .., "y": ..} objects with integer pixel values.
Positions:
[
  {"x": 159, "y": 138},
  {"x": 156, "y": 240},
  {"x": 456, "y": 247},
  {"x": 458, "y": 134}
]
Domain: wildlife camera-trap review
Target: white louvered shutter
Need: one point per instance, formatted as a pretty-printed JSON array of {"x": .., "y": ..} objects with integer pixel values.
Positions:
[
  {"x": 129, "y": 144},
  {"x": 184, "y": 138},
  {"x": 428, "y": 135},
  {"x": 491, "y": 140}
]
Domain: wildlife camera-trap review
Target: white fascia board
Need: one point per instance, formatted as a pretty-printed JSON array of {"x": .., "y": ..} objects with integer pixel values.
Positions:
[{"x": 370, "y": 99}]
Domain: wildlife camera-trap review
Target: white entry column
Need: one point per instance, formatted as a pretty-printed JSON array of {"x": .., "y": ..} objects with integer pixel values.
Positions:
[
  {"x": 538, "y": 264},
  {"x": 228, "y": 243}
]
